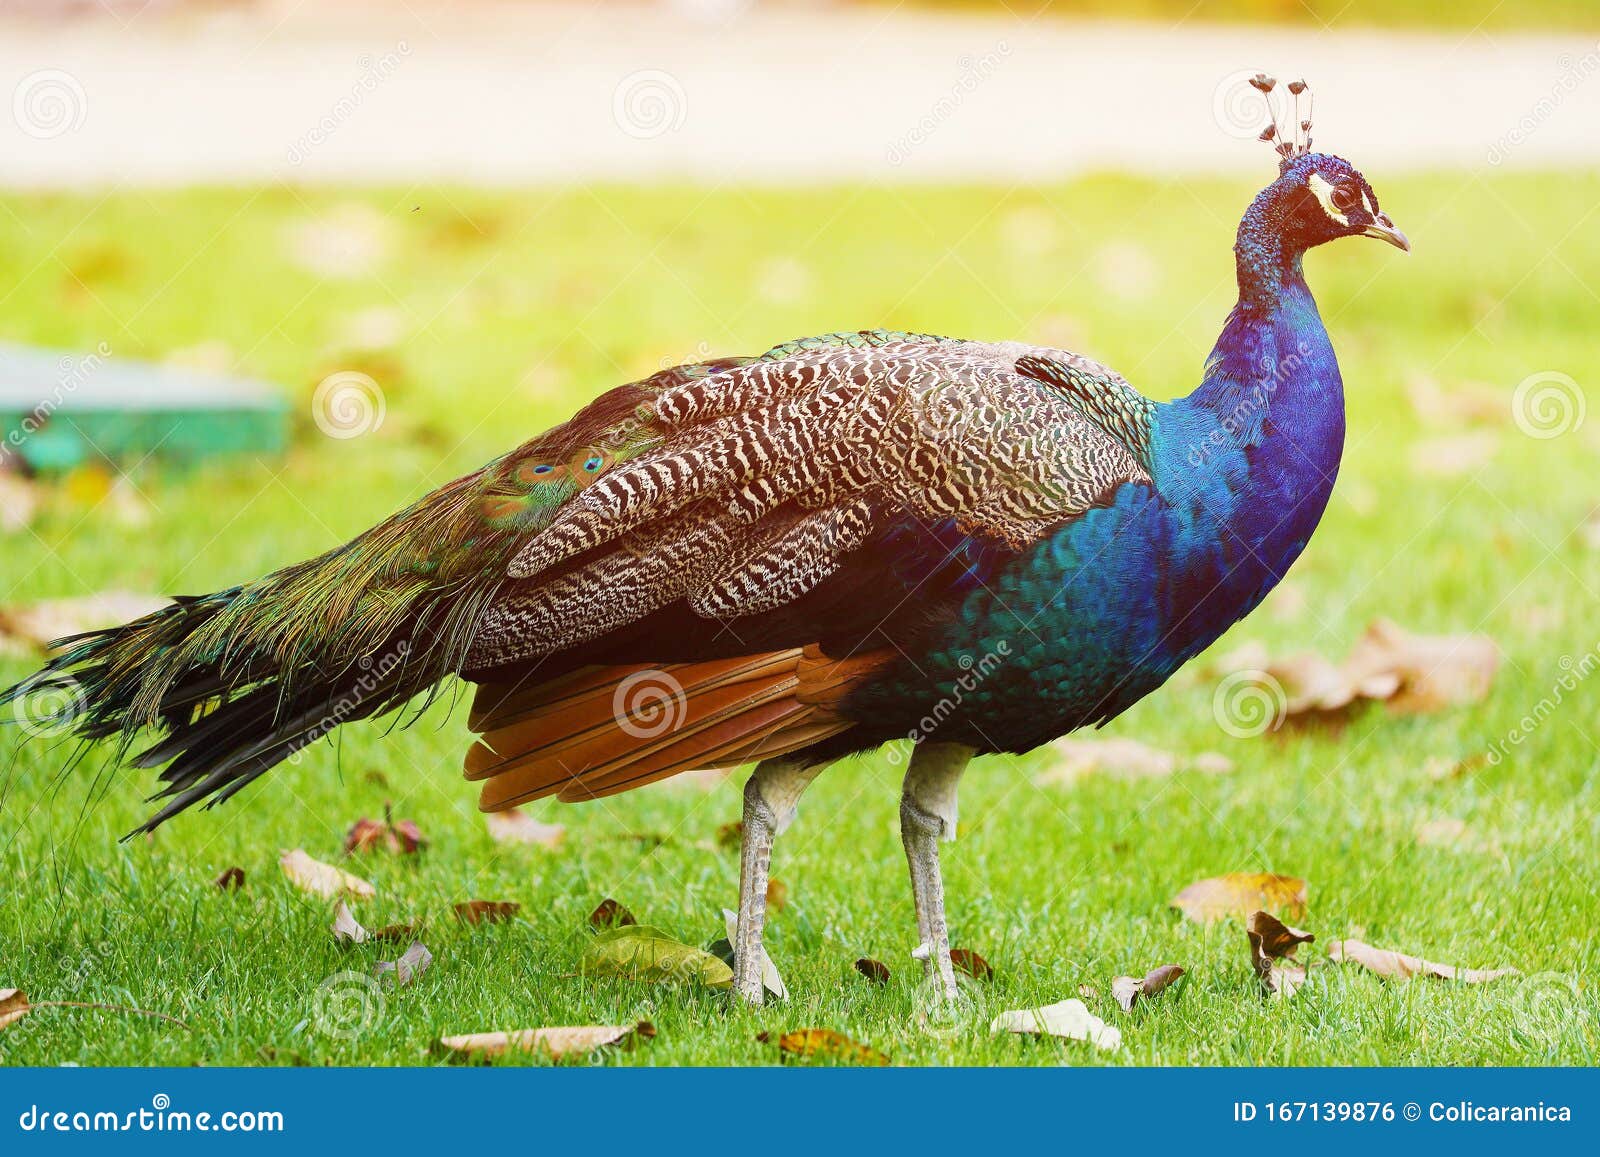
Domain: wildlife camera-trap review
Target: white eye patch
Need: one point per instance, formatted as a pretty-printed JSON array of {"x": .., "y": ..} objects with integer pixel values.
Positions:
[{"x": 1322, "y": 189}]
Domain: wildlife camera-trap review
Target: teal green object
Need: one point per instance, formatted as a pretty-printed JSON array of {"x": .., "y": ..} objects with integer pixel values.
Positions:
[{"x": 59, "y": 410}]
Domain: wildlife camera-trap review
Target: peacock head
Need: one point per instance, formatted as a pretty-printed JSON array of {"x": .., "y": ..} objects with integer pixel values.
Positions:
[{"x": 1317, "y": 197}]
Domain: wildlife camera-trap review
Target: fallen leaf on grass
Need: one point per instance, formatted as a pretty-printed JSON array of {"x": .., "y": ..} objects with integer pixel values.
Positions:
[
  {"x": 231, "y": 880},
  {"x": 346, "y": 928},
  {"x": 967, "y": 961},
  {"x": 1439, "y": 769},
  {"x": 411, "y": 965},
  {"x": 518, "y": 827},
  {"x": 640, "y": 952},
  {"x": 1088, "y": 992},
  {"x": 770, "y": 980},
  {"x": 730, "y": 835},
  {"x": 777, "y": 895},
  {"x": 874, "y": 970},
  {"x": 1272, "y": 947},
  {"x": 558, "y": 1042},
  {"x": 19, "y": 502},
  {"x": 401, "y": 837},
  {"x": 1123, "y": 759},
  {"x": 1069, "y": 1019},
  {"x": 406, "y": 930},
  {"x": 1399, "y": 966},
  {"x": 1452, "y": 455},
  {"x": 1239, "y": 894},
  {"x": 1126, "y": 990},
  {"x": 39, "y": 624},
  {"x": 1412, "y": 674},
  {"x": 321, "y": 879},
  {"x": 610, "y": 914},
  {"x": 826, "y": 1044},
  {"x": 1434, "y": 671},
  {"x": 13, "y": 1005},
  {"x": 486, "y": 911}
]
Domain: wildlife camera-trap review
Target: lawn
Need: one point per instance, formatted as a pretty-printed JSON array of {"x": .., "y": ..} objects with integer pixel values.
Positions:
[{"x": 487, "y": 316}]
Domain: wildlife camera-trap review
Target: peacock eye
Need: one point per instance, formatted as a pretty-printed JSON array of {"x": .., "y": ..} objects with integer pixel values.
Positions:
[
  {"x": 593, "y": 464},
  {"x": 1345, "y": 197}
]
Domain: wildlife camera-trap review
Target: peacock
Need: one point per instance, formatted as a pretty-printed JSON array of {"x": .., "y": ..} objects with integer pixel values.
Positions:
[{"x": 786, "y": 559}]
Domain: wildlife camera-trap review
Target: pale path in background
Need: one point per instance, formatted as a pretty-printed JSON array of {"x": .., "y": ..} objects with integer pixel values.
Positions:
[{"x": 739, "y": 93}]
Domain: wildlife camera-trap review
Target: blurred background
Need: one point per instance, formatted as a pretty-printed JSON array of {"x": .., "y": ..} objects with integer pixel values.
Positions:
[{"x": 270, "y": 270}]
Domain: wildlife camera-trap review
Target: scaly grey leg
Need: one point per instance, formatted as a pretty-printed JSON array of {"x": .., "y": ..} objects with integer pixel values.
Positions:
[
  {"x": 770, "y": 799},
  {"x": 927, "y": 815}
]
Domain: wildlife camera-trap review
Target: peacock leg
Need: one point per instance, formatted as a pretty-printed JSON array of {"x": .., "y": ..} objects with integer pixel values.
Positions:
[
  {"x": 927, "y": 815},
  {"x": 770, "y": 799}
]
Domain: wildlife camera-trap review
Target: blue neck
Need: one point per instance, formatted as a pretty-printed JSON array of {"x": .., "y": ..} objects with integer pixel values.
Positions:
[{"x": 1247, "y": 461}]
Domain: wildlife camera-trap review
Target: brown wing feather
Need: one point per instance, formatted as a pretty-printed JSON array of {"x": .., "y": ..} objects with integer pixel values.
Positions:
[{"x": 604, "y": 730}]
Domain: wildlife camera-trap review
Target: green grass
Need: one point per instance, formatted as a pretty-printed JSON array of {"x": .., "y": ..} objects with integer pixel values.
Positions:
[{"x": 516, "y": 307}]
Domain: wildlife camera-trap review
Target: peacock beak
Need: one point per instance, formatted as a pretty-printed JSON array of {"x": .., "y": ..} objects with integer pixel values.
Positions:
[{"x": 1383, "y": 229}]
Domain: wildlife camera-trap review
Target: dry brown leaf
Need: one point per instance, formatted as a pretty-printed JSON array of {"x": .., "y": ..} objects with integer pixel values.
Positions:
[
  {"x": 346, "y": 928},
  {"x": 321, "y": 879},
  {"x": 1474, "y": 403},
  {"x": 38, "y": 624},
  {"x": 231, "y": 880},
  {"x": 1126, "y": 990},
  {"x": 1433, "y": 671},
  {"x": 1402, "y": 967},
  {"x": 969, "y": 962},
  {"x": 610, "y": 914},
  {"x": 19, "y": 502},
  {"x": 1272, "y": 948},
  {"x": 1122, "y": 759},
  {"x": 13, "y": 1006},
  {"x": 1439, "y": 769},
  {"x": 518, "y": 827},
  {"x": 401, "y": 837},
  {"x": 405, "y": 930},
  {"x": 1452, "y": 455},
  {"x": 777, "y": 895},
  {"x": 825, "y": 1043},
  {"x": 874, "y": 970},
  {"x": 557, "y": 1043},
  {"x": 1239, "y": 894},
  {"x": 411, "y": 965},
  {"x": 1088, "y": 992},
  {"x": 730, "y": 835},
  {"x": 486, "y": 911},
  {"x": 1069, "y": 1019}
]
